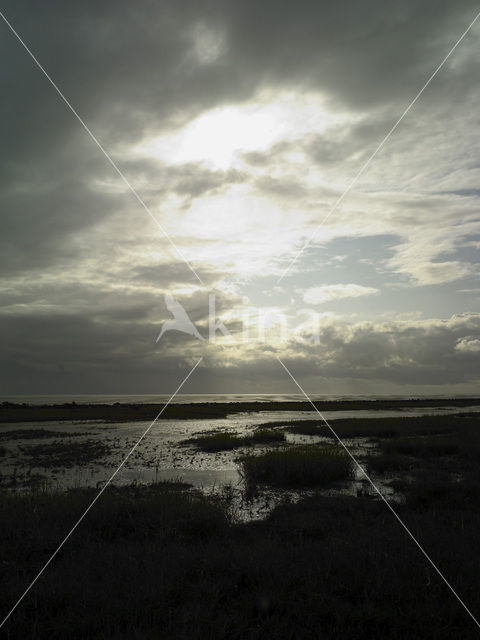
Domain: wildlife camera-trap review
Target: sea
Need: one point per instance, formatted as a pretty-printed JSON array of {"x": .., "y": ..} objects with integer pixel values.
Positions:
[{"x": 189, "y": 398}]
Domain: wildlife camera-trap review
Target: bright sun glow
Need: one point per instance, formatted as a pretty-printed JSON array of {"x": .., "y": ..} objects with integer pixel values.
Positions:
[{"x": 218, "y": 136}]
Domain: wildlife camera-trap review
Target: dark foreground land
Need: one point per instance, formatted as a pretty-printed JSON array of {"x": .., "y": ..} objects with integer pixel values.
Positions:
[
  {"x": 161, "y": 562},
  {"x": 166, "y": 561},
  {"x": 118, "y": 412}
]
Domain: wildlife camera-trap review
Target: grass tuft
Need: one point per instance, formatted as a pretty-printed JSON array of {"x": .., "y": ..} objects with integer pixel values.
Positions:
[
  {"x": 222, "y": 441},
  {"x": 310, "y": 466},
  {"x": 308, "y": 428}
]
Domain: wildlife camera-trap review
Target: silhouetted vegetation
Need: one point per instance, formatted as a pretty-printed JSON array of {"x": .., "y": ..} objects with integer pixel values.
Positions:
[
  {"x": 422, "y": 447},
  {"x": 310, "y": 466},
  {"x": 224, "y": 441},
  {"x": 376, "y": 427},
  {"x": 159, "y": 561},
  {"x": 457, "y": 452},
  {"x": 126, "y": 412},
  {"x": 385, "y": 463},
  {"x": 165, "y": 560},
  {"x": 305, "y": 428}
]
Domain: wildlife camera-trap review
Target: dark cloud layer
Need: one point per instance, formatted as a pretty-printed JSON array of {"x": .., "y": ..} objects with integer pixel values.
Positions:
[
  {"x": 400, "y": 352},
  {"x": 119, "y": 344},
  {"x": 129, "y": 68}
]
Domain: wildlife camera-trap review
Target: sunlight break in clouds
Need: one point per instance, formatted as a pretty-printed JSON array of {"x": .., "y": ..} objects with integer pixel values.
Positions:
[
  {"x": 216, "y": 137},
  {"x": 328, "y": 292}
]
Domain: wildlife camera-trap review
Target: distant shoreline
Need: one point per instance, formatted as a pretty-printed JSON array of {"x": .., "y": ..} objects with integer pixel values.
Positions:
[{"x": 128, "y": 412}]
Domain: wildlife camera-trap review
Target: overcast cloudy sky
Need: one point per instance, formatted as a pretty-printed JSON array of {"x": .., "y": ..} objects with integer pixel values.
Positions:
[{"x": 240, "y": 124}]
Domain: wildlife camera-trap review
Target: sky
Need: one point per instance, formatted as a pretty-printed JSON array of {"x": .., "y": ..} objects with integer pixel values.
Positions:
[{"x": 239, "y": 125}]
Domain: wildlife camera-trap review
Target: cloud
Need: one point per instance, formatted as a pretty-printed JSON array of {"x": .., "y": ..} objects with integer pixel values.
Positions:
[
  {"x": 422, "y": 352},
  {"x": 240, "y": 124},
  {"x": 114, "y": 350},
  {"x": 328, "y": 292},
  {"x": 468, "y": 345},
  {"x": 156, "y": 73}
]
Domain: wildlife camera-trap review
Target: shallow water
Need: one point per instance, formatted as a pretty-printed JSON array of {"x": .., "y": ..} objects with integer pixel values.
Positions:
[{"x": 160, "y": 457}]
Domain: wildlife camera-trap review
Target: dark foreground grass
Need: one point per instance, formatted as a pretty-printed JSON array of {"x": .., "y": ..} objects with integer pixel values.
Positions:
[
  {"x": 422, "y": 447},
  {"x": 386, "y": 463},
  {"x": 310, "y": 466},
  {"x": 223, "y": 441},
  {"x": 165, "y": 563}
]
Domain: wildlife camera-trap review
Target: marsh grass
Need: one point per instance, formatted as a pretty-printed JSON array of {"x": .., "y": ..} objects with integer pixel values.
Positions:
[
  {"x": 303, "y": 427},
  {"x": 422, "y": 447},
  {"x": 469, "y": 443},
  {"x": 392, "y": 427},
  {"x": 266, "y": 436},
  {"x": 429, "y": 488},
  {"x": 165, "y": 561},
  {"x": 220, "y": 441},
  {"x": 458, "y": 451},
  {"x": 121, "y": 412},
  {"x": 36, "y": 434},
  {"x": 436, "y": 489},
  {"x": 302, "y": 466},
  {"x": 20, "y": 480},
  {"x": 223, "y": 441},
  {"x": 162, "y": 562},
  {"x": 377, "y": 427},
  {"x": 308, "y": 428},
  {"x": 65, "y": 454},
  {"x": 386, "y": 463}
]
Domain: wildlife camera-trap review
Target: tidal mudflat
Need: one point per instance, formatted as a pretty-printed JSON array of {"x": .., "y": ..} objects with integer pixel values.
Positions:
[
  {"x": 211, "y": 452},
  {"x": 253, "y": 525}
]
